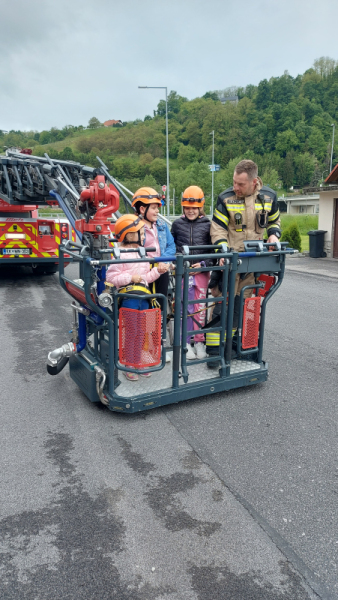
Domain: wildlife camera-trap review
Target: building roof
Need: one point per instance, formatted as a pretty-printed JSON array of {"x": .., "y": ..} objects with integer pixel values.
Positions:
[
  {"x": 224, "y": 99},
  {"x": 112, "y": 122},
  {"x": 333, "y": 176}
]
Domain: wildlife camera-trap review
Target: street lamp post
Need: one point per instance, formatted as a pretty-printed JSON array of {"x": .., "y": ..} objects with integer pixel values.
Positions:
[
  {"x": 332, "y": 125},
  {"x": 213, "y": 170},
  {"x": 155, "y": 87}
]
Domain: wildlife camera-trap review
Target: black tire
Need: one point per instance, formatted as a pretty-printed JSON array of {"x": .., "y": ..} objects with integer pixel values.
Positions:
[
  {"x": 50, "y": 269},
  {"x": 42, "y": 269},
  {"x": 38, "y": 269}
]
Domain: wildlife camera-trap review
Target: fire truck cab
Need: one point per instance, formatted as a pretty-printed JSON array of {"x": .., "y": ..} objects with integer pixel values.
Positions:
[
  {"x": 30, "y": 240},
  {"x": 25, "y": 237}
]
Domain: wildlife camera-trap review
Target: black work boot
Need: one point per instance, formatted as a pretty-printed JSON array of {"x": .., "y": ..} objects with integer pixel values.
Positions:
[{"x": 213, "y": 351}]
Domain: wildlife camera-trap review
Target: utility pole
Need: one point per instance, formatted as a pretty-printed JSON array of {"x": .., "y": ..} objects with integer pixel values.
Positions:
[
  {"x": 333, "y": 126},
  {"x": 212, "y": 171},
  {"x": 152, "y": 87}
]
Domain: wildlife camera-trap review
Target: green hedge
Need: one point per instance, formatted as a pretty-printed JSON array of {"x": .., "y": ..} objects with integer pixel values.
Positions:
[{"x": 305, "y": 223}]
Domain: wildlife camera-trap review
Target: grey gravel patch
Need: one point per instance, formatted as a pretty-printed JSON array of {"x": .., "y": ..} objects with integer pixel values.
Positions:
[
  {"x": 134, "y": 459},
  {"x": 59, "y": 446},
  {"x": 217, "y": 495},
  {"x": 191, "y": 460},
  {"x": 219, "y": 583},
  {"x": 168, "y": 508},
  {"x": 67, "y": 549}
]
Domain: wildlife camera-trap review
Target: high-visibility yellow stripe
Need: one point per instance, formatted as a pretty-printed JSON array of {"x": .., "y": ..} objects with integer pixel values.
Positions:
[
  {"x": 57, "y": 227},
  {"x": 274, "y": 217},
  {"x": 221, "y": 242},
  {"x": 221, "y": 217},
  {"x": 213, "y": 338},
  {"x": 273, "y": 226},
  {"x": 236, "y": 208},
  {"x": 267, "y": 206},
  {"x": 58, "y": 240}
]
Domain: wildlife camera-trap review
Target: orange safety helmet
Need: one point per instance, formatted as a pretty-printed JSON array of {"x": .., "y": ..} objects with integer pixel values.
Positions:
[
  {"x": 127, "y": 224},
  {"x": 146, "y": 195},
  {"x": 193, "y": 197}
]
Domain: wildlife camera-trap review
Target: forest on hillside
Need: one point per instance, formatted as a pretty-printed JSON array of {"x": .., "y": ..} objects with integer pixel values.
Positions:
[{"x": 284, "y": 124}]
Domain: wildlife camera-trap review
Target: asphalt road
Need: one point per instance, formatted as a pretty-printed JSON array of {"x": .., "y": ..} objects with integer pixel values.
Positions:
[{"x": 232, "y": 496}]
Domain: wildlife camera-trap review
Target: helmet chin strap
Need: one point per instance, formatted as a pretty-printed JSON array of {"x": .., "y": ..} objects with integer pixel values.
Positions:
[{"x": 138, "y": 241}]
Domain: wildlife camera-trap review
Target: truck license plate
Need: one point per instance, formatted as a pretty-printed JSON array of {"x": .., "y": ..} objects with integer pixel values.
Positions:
[{"x": 16, "y": 251}]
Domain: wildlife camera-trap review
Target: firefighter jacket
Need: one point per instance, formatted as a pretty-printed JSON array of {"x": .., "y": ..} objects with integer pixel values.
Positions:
[{"x": 238, "y": 219}]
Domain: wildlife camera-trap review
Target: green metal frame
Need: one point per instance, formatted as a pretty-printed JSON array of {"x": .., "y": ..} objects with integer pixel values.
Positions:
[{"x": 258, "y": 258}]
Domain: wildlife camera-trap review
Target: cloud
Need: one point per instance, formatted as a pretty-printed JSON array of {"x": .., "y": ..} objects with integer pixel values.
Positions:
[{"x": 64, "y": 61}]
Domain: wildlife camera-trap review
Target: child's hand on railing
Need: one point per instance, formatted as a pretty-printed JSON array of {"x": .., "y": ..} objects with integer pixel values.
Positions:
[
  {"x": 136, "y": 278},
  {"x": 163, "y": 267}
]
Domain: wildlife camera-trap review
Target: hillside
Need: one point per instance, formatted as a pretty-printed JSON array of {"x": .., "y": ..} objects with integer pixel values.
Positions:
[{"x": 284, "y": 124}]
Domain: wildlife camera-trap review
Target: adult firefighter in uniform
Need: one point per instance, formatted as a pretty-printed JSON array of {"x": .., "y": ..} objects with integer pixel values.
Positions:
[{"x": 243, "y": 212}]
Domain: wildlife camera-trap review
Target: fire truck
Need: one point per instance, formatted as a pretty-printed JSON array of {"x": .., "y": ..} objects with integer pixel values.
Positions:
[
  {"x": 108, "y": 339},
  {"x": 26, "y": 238}
]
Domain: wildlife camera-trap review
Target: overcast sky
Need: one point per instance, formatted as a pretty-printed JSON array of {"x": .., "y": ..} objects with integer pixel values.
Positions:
[{"x": 65, "y": 61}]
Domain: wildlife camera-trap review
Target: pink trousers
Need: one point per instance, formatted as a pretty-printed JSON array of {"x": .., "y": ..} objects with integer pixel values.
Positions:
[{"x": 198, "y": 288}]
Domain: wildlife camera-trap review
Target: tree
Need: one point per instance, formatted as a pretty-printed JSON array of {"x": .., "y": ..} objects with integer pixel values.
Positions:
[
  {"x": 174, "y": 104},
  {"x": 271, "y": 178},
  {"x": 317, "y": 143},
  {"x": 263, "y": 95},
  {"x": 286, "y": 141},
  {"x": 146, "y": 159},
  {"x": 186, "y": 155},
  {"x": 44, "y": 137},
  {"x": 325, "y": 65},
  {"x": 211, "y": 96},
  {"x": 94, "y": 123},
  {"x": 291, "y": 234},
  {"x": 305, "y": 165},
  {"x": 158, "y": 169},
  {"x": 67, "y": 154},
  {"x": 288, "y": 170}
]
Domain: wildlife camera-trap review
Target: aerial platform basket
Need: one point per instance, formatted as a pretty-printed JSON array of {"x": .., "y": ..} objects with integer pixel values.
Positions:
[{"x": 105, "y": 349}]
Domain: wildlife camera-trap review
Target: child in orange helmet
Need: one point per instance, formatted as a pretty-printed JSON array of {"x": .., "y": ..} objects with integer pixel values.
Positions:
[
  {"x": 147, "y": 203},
  {"x": 129, "y": 231},
  {"x": 193, "y": 229}
]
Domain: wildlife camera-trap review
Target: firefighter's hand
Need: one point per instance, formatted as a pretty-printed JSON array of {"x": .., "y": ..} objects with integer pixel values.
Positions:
[
  {"x": 162, "y": 267},
  {"x": 271, "y": 240},
  {"x": 136, "y": 278},
  {"x": 196, "y": 266},
  {"x": 221, "y": 262}
]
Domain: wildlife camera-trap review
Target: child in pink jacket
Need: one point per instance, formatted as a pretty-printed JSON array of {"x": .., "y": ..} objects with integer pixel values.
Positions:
[{"x": 129, "y": 230}]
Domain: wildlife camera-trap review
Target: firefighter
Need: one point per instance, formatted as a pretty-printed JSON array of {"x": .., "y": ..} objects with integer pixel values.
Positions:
[{"x": 243, "y": 212}]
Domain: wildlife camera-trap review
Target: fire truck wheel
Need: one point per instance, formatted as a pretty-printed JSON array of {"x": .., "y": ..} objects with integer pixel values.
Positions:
[
  {"x": 38, "y": 269},
  {"x": 49, "y": 269},
  {"x": 42, "y": 269}
]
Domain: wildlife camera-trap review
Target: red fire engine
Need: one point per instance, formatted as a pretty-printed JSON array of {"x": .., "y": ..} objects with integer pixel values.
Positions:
[{"x": 26, "y": 238}]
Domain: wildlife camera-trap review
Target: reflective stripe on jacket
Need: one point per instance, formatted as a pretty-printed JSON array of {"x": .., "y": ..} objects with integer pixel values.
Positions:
[{"x": 223, "y": 226}]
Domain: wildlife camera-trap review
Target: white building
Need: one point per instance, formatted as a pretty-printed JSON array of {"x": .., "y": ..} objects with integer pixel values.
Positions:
[{"x": 301, "y": 204}]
